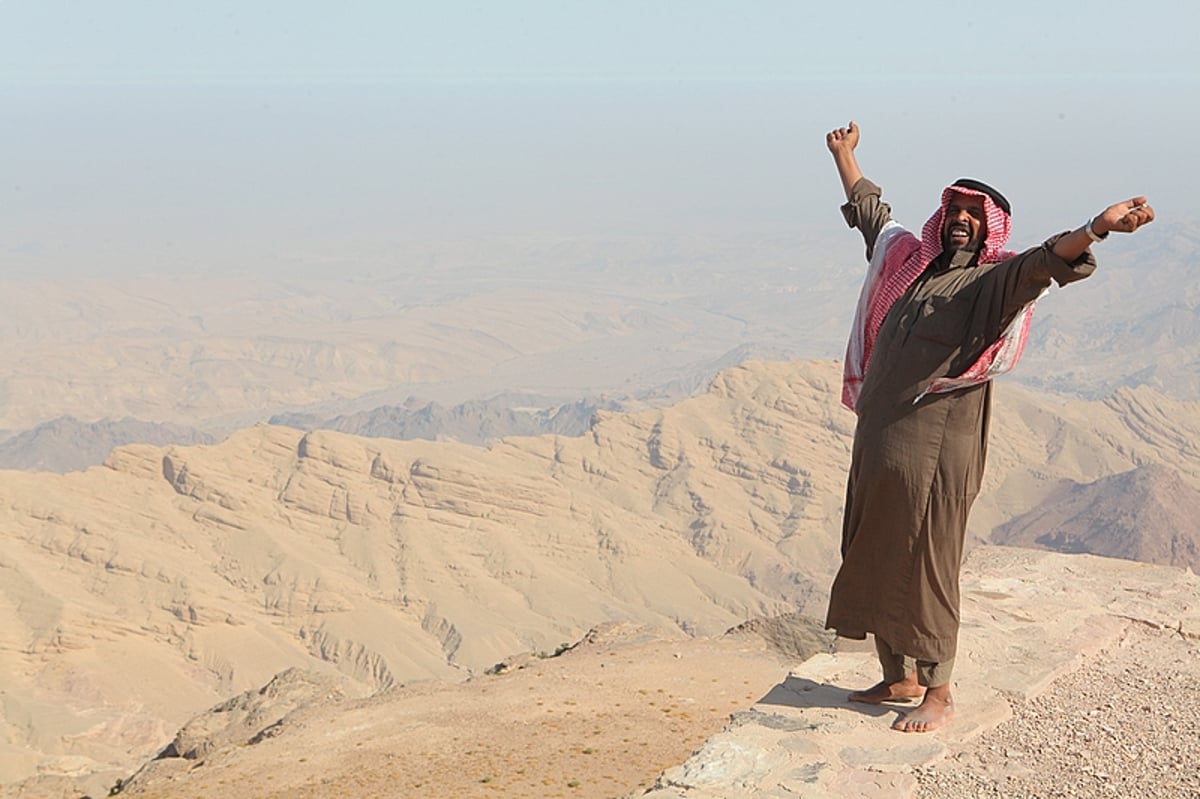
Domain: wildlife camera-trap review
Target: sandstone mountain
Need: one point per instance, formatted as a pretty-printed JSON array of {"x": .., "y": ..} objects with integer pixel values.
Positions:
[
  {"x": 137, "y": 594},
  {"x": 1051, "y": 640},
  {"x": 1148, "y": 514}
]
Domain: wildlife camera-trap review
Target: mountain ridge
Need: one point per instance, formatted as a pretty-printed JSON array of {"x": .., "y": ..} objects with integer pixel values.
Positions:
[
  {"x": 1147, "y": 514},
  {"x": 140, "y": 592}
]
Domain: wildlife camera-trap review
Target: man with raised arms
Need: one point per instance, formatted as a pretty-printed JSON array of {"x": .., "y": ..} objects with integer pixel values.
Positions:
[{"x": 939, "y": 315}]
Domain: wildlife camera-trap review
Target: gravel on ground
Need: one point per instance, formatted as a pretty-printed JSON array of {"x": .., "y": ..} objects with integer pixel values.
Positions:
[{"x": 1125, "y": 724}]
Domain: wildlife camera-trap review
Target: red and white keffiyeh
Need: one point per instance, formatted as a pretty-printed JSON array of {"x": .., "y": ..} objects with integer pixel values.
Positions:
[{"x": 899, "y": 258}]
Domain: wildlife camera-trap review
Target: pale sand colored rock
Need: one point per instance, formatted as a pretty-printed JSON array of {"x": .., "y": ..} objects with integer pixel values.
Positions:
[
  {"x": 1148, "y": 514},
  {"x": 1123, "y": 724},
  {"x": 599, "y": 720},
  {"x": 215, "y": 567},
  {"x": 135, "y": 595},
  {"x": 1029, "y": 619},
  {"x": 602, "y": 719}
]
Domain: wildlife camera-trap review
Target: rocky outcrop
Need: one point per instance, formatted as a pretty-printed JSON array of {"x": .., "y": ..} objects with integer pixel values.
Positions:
[
  {"x": 600, "y": 716},
  {"x": 172, "y": 578},
  {"x": 1028, "y": 619},
  {"x": 794, "y": 636},
  {"x": 253, "y": 715}
]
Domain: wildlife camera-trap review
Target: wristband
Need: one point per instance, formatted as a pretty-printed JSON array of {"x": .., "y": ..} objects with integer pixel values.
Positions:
[{"x": 1095, "y": 237}]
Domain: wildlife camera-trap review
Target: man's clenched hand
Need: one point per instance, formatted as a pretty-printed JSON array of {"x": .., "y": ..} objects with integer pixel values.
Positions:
[
  {"x": 1123, "y": 217},
  {"x": 843, "y": 139}
]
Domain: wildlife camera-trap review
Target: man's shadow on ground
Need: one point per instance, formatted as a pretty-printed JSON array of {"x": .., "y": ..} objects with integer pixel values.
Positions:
[{"x": 798, "y": 692}]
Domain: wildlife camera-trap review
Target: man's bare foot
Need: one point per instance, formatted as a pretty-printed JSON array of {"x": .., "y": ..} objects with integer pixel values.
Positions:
[
  {"x": 936, "y": 709},
  {"x": 903, "y": 691}
]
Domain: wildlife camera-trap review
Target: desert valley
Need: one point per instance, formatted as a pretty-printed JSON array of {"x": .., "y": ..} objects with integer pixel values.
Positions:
[{"x": 547, "y": 515}]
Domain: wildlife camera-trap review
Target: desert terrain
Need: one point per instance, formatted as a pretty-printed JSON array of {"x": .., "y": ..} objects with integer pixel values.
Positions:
[
  {"x": 431, "y": 400},
  {"x": 430, "y": 495},
  {"x": 145, "y": 591}
]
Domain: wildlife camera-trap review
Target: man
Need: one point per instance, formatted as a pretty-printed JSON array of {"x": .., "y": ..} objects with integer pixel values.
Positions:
[{"x": 938, "y": 316}]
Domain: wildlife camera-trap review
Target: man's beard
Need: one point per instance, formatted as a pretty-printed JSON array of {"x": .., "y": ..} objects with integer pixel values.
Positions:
[
  {"x": 947, "y": 246},
  {"x": 971, "y": 244}
]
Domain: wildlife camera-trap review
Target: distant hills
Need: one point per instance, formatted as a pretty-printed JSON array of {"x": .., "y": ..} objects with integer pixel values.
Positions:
[
  {"x": 631, "y": 322},
  {"x": 1147, "y": 514},
  {"x": 67, "y": 444},
  {"x": 469, "y": 422},
  {"x": 1135, "y": 322}
]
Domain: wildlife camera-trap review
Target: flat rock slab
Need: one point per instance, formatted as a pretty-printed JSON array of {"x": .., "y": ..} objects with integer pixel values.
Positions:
[{"x": 1027, "y": 618}]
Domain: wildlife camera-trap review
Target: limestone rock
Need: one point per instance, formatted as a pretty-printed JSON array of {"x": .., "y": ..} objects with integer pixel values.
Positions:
[{"x": 135, "y": 595}]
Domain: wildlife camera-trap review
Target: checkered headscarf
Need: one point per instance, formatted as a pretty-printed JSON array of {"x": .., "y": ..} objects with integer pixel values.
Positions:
[{"x": 899, "y": 258}]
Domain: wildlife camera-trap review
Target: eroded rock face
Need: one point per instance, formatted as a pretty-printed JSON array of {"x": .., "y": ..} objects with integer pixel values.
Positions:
[
  {"x": 135, "y": 595},
  {"x": 793, "y": 635},
  {"x": 607, "y": 711},
  {"x": 253, "y": 715},
  {"x": 1148, "y": 514}
]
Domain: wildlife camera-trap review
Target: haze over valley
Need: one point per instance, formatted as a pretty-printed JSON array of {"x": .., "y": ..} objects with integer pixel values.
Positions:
[
  {"x": 442, "y": 400},
  {"x": 480, "y": 337}
]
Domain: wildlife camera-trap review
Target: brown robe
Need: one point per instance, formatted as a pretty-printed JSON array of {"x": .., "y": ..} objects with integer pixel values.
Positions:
[{"x": 916, "y": 468}]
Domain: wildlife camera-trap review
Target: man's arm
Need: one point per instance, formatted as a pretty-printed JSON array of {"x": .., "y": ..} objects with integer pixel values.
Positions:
[
  {"x": 1124, "y": 217},
  {"x": 1066, "y": 257},
  {"x": 841, "y": 143},
  {"x": 864, "y": 209}
]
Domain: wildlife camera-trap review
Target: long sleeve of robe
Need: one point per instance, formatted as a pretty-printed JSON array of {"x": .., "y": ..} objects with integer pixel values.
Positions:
[{"x": 917, "y": 467}]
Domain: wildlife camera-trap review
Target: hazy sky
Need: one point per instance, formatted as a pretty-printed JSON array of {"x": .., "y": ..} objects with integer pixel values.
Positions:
[
  {"x": 252, "y": 41},
  {"x": 154, "y": 136}
]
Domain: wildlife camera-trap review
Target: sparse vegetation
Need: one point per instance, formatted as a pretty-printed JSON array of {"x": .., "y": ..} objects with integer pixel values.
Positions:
[{"x": 562, "y": 648}]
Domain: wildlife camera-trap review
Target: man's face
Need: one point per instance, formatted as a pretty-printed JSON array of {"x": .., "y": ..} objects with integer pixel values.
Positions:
[{"x": 965, "y": 224}]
